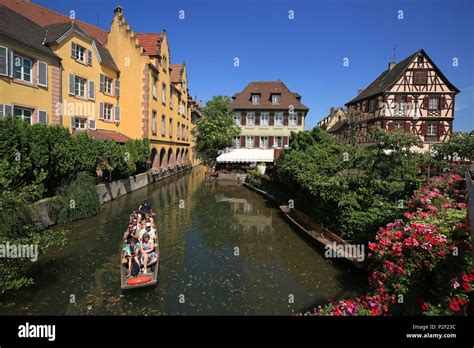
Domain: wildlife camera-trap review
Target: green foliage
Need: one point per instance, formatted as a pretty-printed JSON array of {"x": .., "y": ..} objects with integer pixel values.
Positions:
[
  {"x": 460, "y": 146},
  {"x": 18, "y": 229},
  {"x": 36, "y": 159},
  {"x": 351, "y": 190},
  {"x": 215, "y": 130},
  {"x": 77, "y": 199}
]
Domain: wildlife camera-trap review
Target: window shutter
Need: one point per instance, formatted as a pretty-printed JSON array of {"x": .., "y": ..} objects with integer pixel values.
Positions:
[
  {"x": 257, "y": 120},
  {"x": 390, "y": 127},
  {"x": 300, "y": 119},
  {"x": 398, "y": 99},
  {"x": 407, "y": 127},
  {"x": 102, "y": 83},
  {"x": 243, "y": 119},
  {"x": 424, "y": 128},
  {"x": 117, "y": 113},
  {"x": 285, "y": 119},
  {"x": 2, "y": 111},
  {"x": 3, "y": 61},
  {"x": 101, "y": 110},
  {"x": 285, "y": 141},
  {"x": 440, "y": 128},
  {"x": 72, "y": 87},
  {"x": 42, "y": 117},
  {"x": 73, "y": 50},
  {"x": 270, "y": 142},
  {"x": 91, "y": 124},
  {"x": 42, "y": 74},
  {"x": 256, "y": 142},
  {"x": 73, "y": 122},
  {"x": 426, "y": 101},
  {"x": 242, "y": 141},
  {"x": 89, "y": 57},
  {"x": 443, "y": 102},
  {"x": 91, "y": 90},
  {"x": 10, "y": 62},
  {"x": 409, "y": 99},
  {"x": 117, "y": 88},
  {"x": 271, "y": 119}
]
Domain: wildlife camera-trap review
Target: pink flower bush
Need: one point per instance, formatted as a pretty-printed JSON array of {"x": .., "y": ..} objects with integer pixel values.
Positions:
[{"x": 406, "y": 248}]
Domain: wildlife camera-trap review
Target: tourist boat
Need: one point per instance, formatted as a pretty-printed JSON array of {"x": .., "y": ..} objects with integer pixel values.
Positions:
[
  {"x": 320, "y": 234},
  {"x": 142, "y": 280}
]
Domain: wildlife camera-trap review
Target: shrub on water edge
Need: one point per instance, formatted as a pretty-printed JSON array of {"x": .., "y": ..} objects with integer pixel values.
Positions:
[{"x": 77, "y": 199}]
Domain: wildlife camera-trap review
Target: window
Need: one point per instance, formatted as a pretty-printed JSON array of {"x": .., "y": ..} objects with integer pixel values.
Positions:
[
  {"x": 107, "y": 115},
  {"x": 275, "y": 98},
  {"x": 179, "y": 130},
  {"x": 171, "y": 99},
  {"x": 154, "y": 91},
  {"x": 433, "y": 103},
  {"x": 163, "y": 93},
  {"x": 108, "y": 82},
  {"x": 42, "y": 117},
  {"x": 163, "y": 125},
  {"x": 371, "y": 105},
  {"x": 250, "y": 119},
  {"x": 237, "y": 142},
  {"x": 420, "y": 78},
  {"x": 293, "y": 119},
  {"x": 398, "y": 125},
  {"x": 78, "y": 52},
  {"x": 42, "y": 74},
  {"x": 255, "y": 98},
  {"x": 279, "y": 119},
  {"x": 237, "y": 117},
  {"x": 171, "y": 129},
  {"x": 22, "y": 68},
  {"x": 264, "y": 142},
  {"x": 420, "y": 59},
  {"x": 79, "y": 123},
  {"x": 249, "y": 142},
  {"x": 403, "y": 105},
  {"x": 278, "y": 141},
  {"x": 79, "y": 86},
  {"x": 22, "y": 113},
  {"x": 431, "y": 129},
  {"x": 153, "y": 122},
  {"x": 264, "y": 119}
]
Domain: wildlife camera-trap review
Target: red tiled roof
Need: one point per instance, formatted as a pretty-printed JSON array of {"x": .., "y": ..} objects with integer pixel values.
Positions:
[
  {"x": 108, "y": 135},
  {"x": 175, "y": 75},
  {"x": 266, "y": 89},
  {"x": 44, "y": 16},
  {"x": 149, "y": 42}
]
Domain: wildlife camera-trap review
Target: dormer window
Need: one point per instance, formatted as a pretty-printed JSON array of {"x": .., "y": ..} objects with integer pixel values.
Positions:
[
  {"x": 276, "y": 98},
  {"x": 255, "y": 98}
]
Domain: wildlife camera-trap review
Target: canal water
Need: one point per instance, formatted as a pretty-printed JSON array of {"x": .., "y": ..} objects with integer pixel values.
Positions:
[{"x": 225, "y": 250}]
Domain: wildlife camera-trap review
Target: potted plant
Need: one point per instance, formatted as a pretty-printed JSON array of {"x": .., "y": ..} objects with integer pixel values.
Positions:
[{"x": 261, "y": 168}]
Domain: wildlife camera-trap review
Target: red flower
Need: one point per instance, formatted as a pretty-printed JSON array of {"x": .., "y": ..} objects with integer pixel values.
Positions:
[
  {"x": 464, "y": 277},
  {"x": 426, "y": 263},
  {"x": 425, "y": 307},
  {"x": 441, "y": 253},
  {"x": 467, "y": 286},
  {"x": 374, "y": 311},
  {"x": 453, "y": 305}
]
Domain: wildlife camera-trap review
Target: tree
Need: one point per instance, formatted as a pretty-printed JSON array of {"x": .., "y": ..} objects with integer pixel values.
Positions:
[{"x": 215, "y": 130}]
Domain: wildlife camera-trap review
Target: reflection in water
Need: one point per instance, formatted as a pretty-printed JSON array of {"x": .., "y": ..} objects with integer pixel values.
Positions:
[{"x": 225, "y": 248}]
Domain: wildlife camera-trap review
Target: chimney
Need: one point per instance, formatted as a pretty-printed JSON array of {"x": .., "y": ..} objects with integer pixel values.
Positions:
[
  {"x": 118, "y": 10},
  {"x": 391, "y": 65},
  {"x": 332, "y": 110},
  {"x": 359, "y": 91}
]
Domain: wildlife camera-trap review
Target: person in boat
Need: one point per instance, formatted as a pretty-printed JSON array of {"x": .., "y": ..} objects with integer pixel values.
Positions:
[
  {"x": 147, "y": 252},
  {"x": 131, "y": 251},
  {"x": 145, "y": 208}
]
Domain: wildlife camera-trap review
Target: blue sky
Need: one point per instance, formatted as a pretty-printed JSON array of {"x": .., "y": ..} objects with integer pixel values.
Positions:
[{"x": 306, "y": 52}]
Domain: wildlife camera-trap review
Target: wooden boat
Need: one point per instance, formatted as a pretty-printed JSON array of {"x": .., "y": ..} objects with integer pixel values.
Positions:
[
  {"x": 142, "y": 280},
  {"x": 320, "y": 234}
]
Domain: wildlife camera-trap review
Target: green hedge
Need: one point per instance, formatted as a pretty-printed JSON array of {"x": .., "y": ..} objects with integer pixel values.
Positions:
[{"x": 36, "y": 160}]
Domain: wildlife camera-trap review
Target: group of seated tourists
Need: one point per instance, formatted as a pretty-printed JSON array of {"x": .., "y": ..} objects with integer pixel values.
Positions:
[{"x": 140, "y": 248}]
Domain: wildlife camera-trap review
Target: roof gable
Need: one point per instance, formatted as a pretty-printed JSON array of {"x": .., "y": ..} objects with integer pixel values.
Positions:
[
  {"x": 150, "y": 42},
  {"x": 242, "y": 100}
]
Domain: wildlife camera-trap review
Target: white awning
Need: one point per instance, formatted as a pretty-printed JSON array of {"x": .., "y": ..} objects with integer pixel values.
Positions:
[{"x": 246, "y": 156}]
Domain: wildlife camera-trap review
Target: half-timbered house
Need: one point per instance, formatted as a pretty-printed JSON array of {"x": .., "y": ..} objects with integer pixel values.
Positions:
[{"x": 413, "y": 95}]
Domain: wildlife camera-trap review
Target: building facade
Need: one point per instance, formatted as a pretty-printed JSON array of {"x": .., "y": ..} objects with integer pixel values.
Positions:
[
  {"x": 267, "y": 112},
  {"x": 115, "y": 85},
  {"x": 413, "y": 95}
]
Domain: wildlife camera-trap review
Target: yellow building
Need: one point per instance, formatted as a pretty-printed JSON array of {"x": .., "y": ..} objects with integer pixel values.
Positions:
[
  {"x": 115, "y": 85},
  {"x": 29, "y": 71}
]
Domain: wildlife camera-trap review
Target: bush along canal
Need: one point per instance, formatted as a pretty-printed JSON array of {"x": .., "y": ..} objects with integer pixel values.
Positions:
[{"x": 224, "y": 250}]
